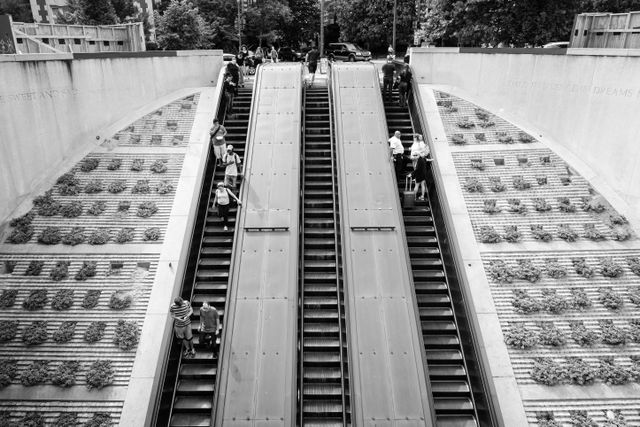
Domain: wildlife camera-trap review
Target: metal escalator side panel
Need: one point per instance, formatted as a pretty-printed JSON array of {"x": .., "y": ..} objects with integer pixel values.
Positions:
[
  {"x": 387, "y": 362},
  {"x": 257, "y": 370}
]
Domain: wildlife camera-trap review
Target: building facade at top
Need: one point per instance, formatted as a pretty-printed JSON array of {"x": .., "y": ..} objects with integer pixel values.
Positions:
[{"x": 46, "y": 11}]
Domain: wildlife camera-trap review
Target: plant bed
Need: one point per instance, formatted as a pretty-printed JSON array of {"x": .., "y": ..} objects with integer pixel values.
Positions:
[
  {"x": 94, "y": 186},
  {"x": 565, "y": 205},
  {"x": 97, "y": 208},
  {"x": 523, "y": 303},
  {"x": 634, "y": 265},
  {"x": 465, "y": 123},
  {"x": 21, "y": 235},
  {"x": 516, "y": 206},
  {"x": 633, "y": 292},
  {"x": 95, "y": 332},
  {"x": 554, "y": 269},
  {"x": 473, "y": 185},
  {"x": 137, "y": 165},
  {"x": 100, "y": 374},
  {"x": 141, "y": 187},
  {"x": 511, "y": 234},
  {"x": 46, "y": 205},
  {"x": 592, "y": 233},
  {"x": 490, "y": 206},
  {"x": 65, "y": 374},
  {"x": 50, "y": 236},
  {"x": 124, "y": 235},
  {"x": 99, "y": 419},
  {"x": 579, "y": 299},
  {"x": 36, "y": 333},
  {"x": 114, "y": 164},
  {"x": 34, "y": 268},
  {"x": 458, "y": 139},
  {"x": 519, "y": 183},
  {"x": 127, "y": 335},
  {"x": 60, "y": 271},
  {"x": 68, "y": 184},
  {"x": 500, "y": 272},
  {"x": 67, "y": 419},
  {"x": 593, "y": 204},
  {"x": 8, "y": 298},
  {"x": 621, "y": 233},
  {"x": 158, "y": 166},
  {"x": 528, "y": 271},
  {"x": 521, "y": 337},
  {"x": 146, "y": 209},
  {"x": 612, "y": 374},
  {"x": 610, "y": 299},
  {"x": 634, "y": 330},
  {"x": 488, "y": 234},
  {"x": 117, "y": 186},
  {"x": 548, "y": 372},
  {"x": 90, "y": 164},
  {"x": 546, "y": 419},
  {"x": 164, "y": 187},
  {"x": 580, "y": 372},
  {"x": 482, "y": 114},
  {"x": 36, "y": 373},
  {"x": 551, "y": 335},
  {"x": 151, "y": 234},
  {"x": 541, "y": 205},
  {"x": 525, "y": 138},
  {"x": 566, "y": 233},
  {"x": 8, "y": 371},
  {"x": 8, "y": 330},
  {"x": 609, "y": 268},
  {"x": 65, "y": 332},
  {"x": 554, "y": 303},
  {"x": 582, "y": 335},
  {"x": 581, "y": 419},
  {"x": 32, "y": 419},
  {"x": 480, "y": 137},
  {"x": 496, "y": 184},
  {"x": 62, "y": 300},
  {"x": 74, "y": 237},
  {"x": 91, "y": 298},
  {"x": 477, "y": 164},
  {"x": 504, "y": 138},
  {"x": 612, "y": 334},
  {"x": 99, "y": 237},
  {"x": 36, "y": 300},
  {"x": 582, "y": 268},
  {"x": 120, "y": 300}
]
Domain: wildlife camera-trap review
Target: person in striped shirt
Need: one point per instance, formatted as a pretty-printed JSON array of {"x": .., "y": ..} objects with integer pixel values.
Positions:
[{"x": 181, "y": 312}]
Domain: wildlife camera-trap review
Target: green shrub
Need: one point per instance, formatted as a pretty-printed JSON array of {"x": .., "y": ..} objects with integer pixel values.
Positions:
[
  {"x": 62, "y": 300},
  {"x": 539, "y": 233},
  {"x": 580, "y": 372},
  {"x": 36, "y": 300},
  {"x": 612, "y": 334},
  {"x": 99, "y": 419},
  {"x": 50, "y": 236},
  {"x": 124, "y": 206},
  {"x": 124, "y": 235},
  {"x": 36, "y": 333},
  {"x": 554, "y": 269},
  {"x": 65, "y": 332},
  {"x": 465, "y": 123},
  {"x": 519, "y": 183},
  {"x": 582, "y": 268},
  {"x": 100, "y": 374},
  {"x": 579, "y": 299},
  {"x": 120, "y": 300},
  {"x": 137, "y": 165},
  {"x": 151, "y": 234},
  {"x": 612, "y": 374},
  {"x": 480, "y": 137},
  {"x": 60, "y": 271},
  {"x": 127, "y": 335},
  {"x": 94, "y": 186},
  {"x": 91, "y": 298},
  {"x": 146, "y": 209},
  {"x": 46, "y": 205},
  {"x": 593, "y": 204},
  {"x": 117, "y": 186},
  {"x": 482, "y": 114},
  {"x": 32, "y": 419},
  {"x": 159, "y": 166},
  {"x": 528, "y": 271},
  {"x": 516, "y": 206},
  {"x": 65, "y": 374},
  {"x": 97, "y": 208},
  {"x": 458, "y": 139},
  {"x": 634, "y": 265},
  {"x": 488, "y": 234},
  {"x": 546, "y": 419},
  {"x": 87, "y": 270},
  {"x": 511, "y": 233},
  {"x": 496, "y": 184},
  {"x": 592, "y": 233},
  {"x": 634, "y": 295},
  {"x": 473, "y": 185},
  {"x": 71, "y": 210},
  {"x": 609, "y": 268},
  {"x": 74, "y": 237},
  {"x": 95, "y": 332},
  {"x": 89, "y": 164},
  {"x": 519, "y": 336},
  {"x": 141, "y": 187},
  {"x": 68, "y": 184},
  {"x": 541, "y": 205},
  {"x": 66, "y": 419},
  {"x": 114, "y": 164},
  {"x": 565, "y": 232},
  {"x": 565, "y": 205},
  {"x": 8, "y": 330},
  {"x": 99, "y": 237},
  {"x": 553, "y": 303},
  {"x": 490, "y": 206},
  {"x": 610, "y": 299},
  {"x": 621, "y": 233},
  {"x": 525, "y": 138},
  {"x": 36, "y": 373},
  {"x": 21, "y": 235},
  {"x": 34, "y": 268},
  {"x": 8, "y": 298},
  {"x": 548, "y": 372},
  {"x": 583, "y": 336},
  {"x": 8, "y": 371},
  {"x": 164, "y": 187},
  {"x": 523, "y": 303},
  {"x": 477, "y": 164},
  {"x": 500, "y": 272},
  {"x": 550, "y": 335},
  {"x": 24, "y": 220}
]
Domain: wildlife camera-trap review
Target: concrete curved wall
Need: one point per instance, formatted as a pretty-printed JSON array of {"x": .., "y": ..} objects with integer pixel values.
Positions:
[
  {"x": 51, "y": 108},
  {"x": 586, "y": 102}
]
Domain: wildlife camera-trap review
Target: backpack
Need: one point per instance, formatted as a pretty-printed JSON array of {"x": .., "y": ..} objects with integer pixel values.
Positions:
[{"x": 223, "y": 196}]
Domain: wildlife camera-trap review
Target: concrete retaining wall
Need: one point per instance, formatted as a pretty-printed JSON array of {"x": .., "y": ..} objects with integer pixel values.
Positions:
[
  {"x": 585, "y": 101},
  {"x": 52, "y": 108}
]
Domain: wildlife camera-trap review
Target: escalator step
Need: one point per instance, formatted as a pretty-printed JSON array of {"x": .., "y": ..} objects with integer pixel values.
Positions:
[
  {"x": 192, "y": 403},
  {"x": 190, "y": 420}
]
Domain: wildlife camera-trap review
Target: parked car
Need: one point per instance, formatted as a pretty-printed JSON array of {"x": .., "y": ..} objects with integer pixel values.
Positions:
[
  {"x": 288, "y": 54},
  {"x": 347, "y": 52},
  {"x": 556, "y": 45}
]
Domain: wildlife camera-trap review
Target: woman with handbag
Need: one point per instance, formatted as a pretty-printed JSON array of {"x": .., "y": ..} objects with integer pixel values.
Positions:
[
  {"x": 222, "y": 200},
  {"x": 216, "y": 137}
]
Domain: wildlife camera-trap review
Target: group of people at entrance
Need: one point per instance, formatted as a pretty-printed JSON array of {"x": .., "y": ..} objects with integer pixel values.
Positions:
[
  {"x": 419, "y": 156},
  {"x": 392, "y": 79}
]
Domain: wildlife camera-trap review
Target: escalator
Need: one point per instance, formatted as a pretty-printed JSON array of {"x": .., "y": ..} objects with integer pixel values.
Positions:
[
  {"x": 451, "y": 366},
  {"x": 189, "y": 386},
  {"x": 323, "y": 379}
]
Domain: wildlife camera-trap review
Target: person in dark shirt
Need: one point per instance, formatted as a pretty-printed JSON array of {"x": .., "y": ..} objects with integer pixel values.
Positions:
[
  {"x": 312, "y": 63},
  {"x": 405, "y": 84},
  {"x": 388, "y": 73},
  {"x": 234, "y": 70},
  {"x": 229, "y": 90}
]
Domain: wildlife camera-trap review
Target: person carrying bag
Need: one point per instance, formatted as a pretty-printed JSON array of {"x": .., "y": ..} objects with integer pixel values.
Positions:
[{"x": 216, "y": 137}]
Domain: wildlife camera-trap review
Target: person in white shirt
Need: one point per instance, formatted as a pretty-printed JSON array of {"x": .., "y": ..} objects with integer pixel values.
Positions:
[
  {"x": 418, "y": 149},
  {"x": 397, "y": 152}
]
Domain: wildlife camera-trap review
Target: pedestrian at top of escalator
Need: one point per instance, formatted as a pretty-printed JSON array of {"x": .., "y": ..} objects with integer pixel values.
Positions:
[
  {"x": 234, "y": 70},
  {"x": 312, "y": 63},
  {"x": 397, "y": 151},
  {"x": 273, "y": 54},
  {"x": 404, "y": 86},
  {"x": 391, "y": 52},
  {"x": 229, "y": 88},
  {"x": 388, "y": 74},
  {"x": 258, "y": 56}
]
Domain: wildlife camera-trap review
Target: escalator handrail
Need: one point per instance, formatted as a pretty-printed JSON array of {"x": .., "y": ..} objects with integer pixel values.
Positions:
[
  {"x": 416, "y": 112},
  {"x": 218, "y": 94},
  {"x": 337, "y": 248},
  {"x": 301, "y": 262},
  {"x": 225, "y": 333},
  {"x": 407, "y": 264}
]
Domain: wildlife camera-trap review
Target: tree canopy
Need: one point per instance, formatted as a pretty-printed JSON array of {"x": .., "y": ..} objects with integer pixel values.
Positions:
[
  {"x": 181, "y": 27},
  {"x": 265, "y": 21},
  {"x": 20, "y": 10}
]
